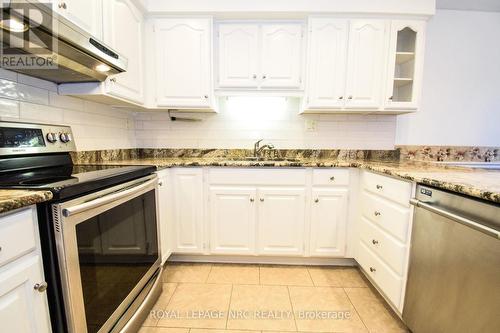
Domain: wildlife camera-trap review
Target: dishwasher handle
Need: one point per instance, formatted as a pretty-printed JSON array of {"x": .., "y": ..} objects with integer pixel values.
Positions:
[{"x": 457, "y": 218}]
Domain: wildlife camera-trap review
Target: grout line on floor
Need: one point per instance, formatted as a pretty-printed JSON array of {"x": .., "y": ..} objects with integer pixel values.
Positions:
[
  {"x": 229, "y": 305},
  {"x": 310, "y": 276},
  {"x": 293, "y": 310},
  {"x": 356, "y": 310}
]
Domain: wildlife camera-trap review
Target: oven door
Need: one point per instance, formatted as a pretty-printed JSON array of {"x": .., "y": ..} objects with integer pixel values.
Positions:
[{"x": 107, "y": 247}]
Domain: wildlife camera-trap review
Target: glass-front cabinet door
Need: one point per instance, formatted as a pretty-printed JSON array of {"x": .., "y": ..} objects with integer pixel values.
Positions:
[{"x": 405, "y": 64}]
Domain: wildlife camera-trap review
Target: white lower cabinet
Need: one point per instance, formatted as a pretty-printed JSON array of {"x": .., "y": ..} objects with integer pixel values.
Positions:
[
  {"x": 328, "y": 222},
  {"x": 164, "y": 211},
  {"x": 281, "y": 221},
  {"x": 384, "y": 233},
  {"x": 188, "y": 202},
  {"x": 23, "y": 301},
  {"x": 22, "y": 308},
  {"x": 232, "y": 219}
]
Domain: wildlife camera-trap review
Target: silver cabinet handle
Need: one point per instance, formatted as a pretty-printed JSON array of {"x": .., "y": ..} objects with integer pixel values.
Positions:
[
  {"x": 254, "y": 76},
  {"x": 40, "y": 287},
  {"x": 252, "y": 199},
  {"x": 350, "y": 97},
  {"x": 332, "y": 178},
  {"x": 373, "y": 270},
  {"x": 316, "y": 200},
  {"x": 264, "y": 76},
  {"x": 457, "y": 218},
  {"x": 261, "y": 199},
  {"x": 390, "y": 98},
  {"x": 113, "y": 79},
  {"x": 341, "y": 97},
  {"x": 62, "y": 5},
  {"x": 374, "y": 241},
  {"x": 206, "y": 96},
  {"x": 379, "y": 187},
  {"x": 160, "y": 183},
  {"x": 376, "y": 213},
  {"x": 0, "y": 249}
]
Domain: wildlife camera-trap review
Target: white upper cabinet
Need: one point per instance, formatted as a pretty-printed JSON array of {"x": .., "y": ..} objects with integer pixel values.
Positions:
[
  {"x": 123, "y": 31},
  {"x": 254, "y": 56},
  {"x": 281, "y": 221},
  {"x": 183, "y": 62},
  {"x": 327, "y": 63},
  {"x": 281, "y": 55},
  {"x": 405, "y": 66},
  {"x": 367, "y": 44},
  {"x": 328, "y": 222},
  {"x": 85, "y": 14},
  {"x": 232, "y": 219},
  {"x": 238, "y": 55}
]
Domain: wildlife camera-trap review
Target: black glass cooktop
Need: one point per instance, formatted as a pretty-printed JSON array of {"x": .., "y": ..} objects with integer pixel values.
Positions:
[{"x": 70, "y": 180}]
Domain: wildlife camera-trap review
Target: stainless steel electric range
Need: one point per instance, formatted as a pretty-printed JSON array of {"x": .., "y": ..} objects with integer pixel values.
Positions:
[{"x": 99, "y": 233}]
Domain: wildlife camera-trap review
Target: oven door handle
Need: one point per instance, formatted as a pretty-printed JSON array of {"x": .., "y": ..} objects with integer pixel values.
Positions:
[{"x": 130, "y": 192}]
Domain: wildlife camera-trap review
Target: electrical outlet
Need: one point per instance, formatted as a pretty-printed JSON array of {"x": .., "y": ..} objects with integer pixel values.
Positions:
[{"x": 310, "y": 125}]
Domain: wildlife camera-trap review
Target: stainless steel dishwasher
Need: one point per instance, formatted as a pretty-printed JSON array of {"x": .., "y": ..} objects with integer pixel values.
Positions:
[{"x": 454, "y": 273}]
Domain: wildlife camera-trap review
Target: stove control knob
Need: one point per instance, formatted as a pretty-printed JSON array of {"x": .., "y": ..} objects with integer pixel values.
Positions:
[
  {"x": 64, "y": 137},
  {"x": 51, "y": 137}
]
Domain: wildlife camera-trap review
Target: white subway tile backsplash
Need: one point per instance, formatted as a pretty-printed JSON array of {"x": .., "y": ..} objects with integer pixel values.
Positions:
[
  {"x": 97, "y": 126},
  {"x": 9, "y": 109},
  {"x": 41, "y": 113}
]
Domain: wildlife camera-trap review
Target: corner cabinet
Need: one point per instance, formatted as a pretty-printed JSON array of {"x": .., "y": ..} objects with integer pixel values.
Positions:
[
  {"x": 183, "y": 63},
  {"x": 122, "y": 29},
  {"x": 363, "y": 65},
  {"x": 260, "y": 56},
  {"x": 405, "y": 68},
  {"x": 85, "y": 14}
]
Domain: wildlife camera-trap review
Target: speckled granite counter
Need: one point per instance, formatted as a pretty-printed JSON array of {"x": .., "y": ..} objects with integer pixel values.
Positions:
[
  {"x": 13, "y": 199},
  {"x": 478, "y": 183}
]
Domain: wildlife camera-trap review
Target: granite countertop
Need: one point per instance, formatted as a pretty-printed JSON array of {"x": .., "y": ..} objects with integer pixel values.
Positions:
[
  {"x": 13, "y": 199},
  {"x": 480, "y": 183}
]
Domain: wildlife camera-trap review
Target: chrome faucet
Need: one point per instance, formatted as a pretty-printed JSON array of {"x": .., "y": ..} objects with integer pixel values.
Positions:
[{"x": 257, "y": 149}]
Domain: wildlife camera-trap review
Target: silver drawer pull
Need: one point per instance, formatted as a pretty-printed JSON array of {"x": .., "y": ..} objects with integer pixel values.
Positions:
[
  {"x": 376, "y": 213},
  {"x": 40, "y": 287},
  {"x": 252, "y": 199},
  {"x": 261, "y": 199},
  {"x": 316, "y": 200},
  {"x": 374, "y": 241},
  {"x": 373, "y": 270},
  {"x": 379, "y": 187},
  {"x": 332, "y": 178}
]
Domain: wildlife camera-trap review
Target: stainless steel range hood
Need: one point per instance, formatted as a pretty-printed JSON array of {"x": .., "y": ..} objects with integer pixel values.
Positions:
[{"x": 38, "y": 42}]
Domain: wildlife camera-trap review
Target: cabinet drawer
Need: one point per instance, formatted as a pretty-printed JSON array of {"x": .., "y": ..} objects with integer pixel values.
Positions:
[
  {"x": 396, "y": 190},
  {"x": 241, "y": 176},
  {"x": 387, "y": 215},
  {"x": 17, "y": 235},
  {"x": 388, "y": 282},
  {"x": 391, "y": 251},
  {"x": 330, "y": 177}
]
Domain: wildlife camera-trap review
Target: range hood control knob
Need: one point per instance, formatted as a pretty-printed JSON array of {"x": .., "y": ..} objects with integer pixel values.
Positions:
[
  {"x": 64, "y": 137},
  {"x": 51, "y": 137}
]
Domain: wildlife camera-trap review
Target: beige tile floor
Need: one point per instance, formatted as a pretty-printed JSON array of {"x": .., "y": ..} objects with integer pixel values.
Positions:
[{"x": 216, "y": 298}]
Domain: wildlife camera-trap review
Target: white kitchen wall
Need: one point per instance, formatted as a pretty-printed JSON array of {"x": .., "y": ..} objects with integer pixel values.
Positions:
[
  {"x": 461, "y": 87},
  {"x": 95, "y": 126},
  {"x": 242, "y": 121}
]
